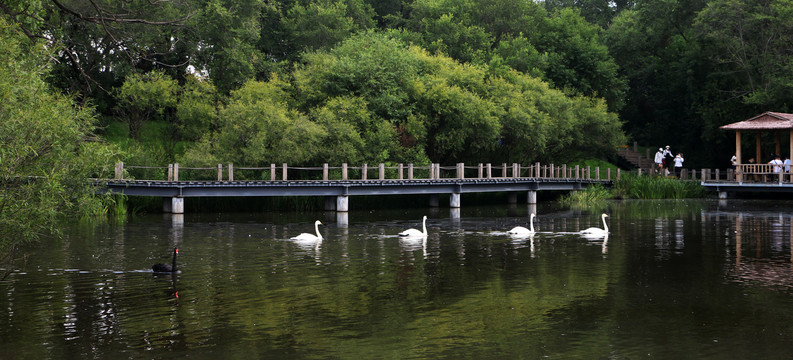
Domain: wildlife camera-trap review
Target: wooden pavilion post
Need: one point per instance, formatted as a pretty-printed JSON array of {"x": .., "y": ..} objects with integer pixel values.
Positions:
[
  {"x": 738, "y": 155},
  {"x": 758, "y": 158}
]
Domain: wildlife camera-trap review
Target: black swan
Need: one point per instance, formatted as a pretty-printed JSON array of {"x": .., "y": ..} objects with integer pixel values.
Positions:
[{"x": 165, "y": 268}]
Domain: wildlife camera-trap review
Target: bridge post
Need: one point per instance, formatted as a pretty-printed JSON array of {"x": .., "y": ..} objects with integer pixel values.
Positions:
[
  {"x": 489, "y": 171},
  {"x": 504, "y": 170},
  {"x": 481, "y": 171},
  {"x": 401, "y": 171},
  {"x": 343, "y": 203},
  {"x": 220, "y": 172},
  {"x": 537, "y": 169},
  {"x": 344, "y": 171},
  {"x": 272, "y": 172},
  {"x": 364, "y": 170},
  {"x": 283, "y": 173},
  {"x": 381, "y": 171},
  {"x": 173, "y": 205},
  {"x": 454, "y": 200},
  {"x": 578, "y": 172},
  {"x": 515, "y": 170},
  {"x": 618, "y": 174},
  {"x": 231, "y": 172},
  {"x": 531, "y": 197},
  {"x": 170, "y": 172},
  {"x": 460, "y": 171},
  {"x": 410, "y": 171},
  {"x": 552, "y": 171},
  {"x": 564, "y": 171},
  {"x": 119, "y": 171},
  {"x": 176, "y": 172},
  {"x": 325, "y": 171},
  {"x": 608, "y": 174}
]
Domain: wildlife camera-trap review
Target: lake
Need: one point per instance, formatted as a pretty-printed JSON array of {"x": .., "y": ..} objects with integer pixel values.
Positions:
[{"x": 674, "y": 279}]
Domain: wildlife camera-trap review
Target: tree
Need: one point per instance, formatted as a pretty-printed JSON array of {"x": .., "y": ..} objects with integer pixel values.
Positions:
[
  {"x": 197, "y": 108},
  {"x": 47, "y": 148},
  {"x": 143, "y": 96}
]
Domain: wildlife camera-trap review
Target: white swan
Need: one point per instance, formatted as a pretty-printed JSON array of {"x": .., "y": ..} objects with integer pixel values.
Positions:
[
  {"x": 413, "y": 233},
  {"x": 594, "y": 232},
  {"x": 306, "y": 238},
  {"x": 522, "y": 231}
]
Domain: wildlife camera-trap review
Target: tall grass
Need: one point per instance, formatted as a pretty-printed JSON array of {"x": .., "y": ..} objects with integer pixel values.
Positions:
[
  {"x": 590, "y": 195},
  {"x": 656, "y": 187},
  {"x": 635, "y": 187}
]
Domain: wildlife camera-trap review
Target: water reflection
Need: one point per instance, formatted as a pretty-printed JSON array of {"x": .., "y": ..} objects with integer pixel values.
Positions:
[
  {"x": 469, "y": 290},
  {"x": 763, "y": 248}
]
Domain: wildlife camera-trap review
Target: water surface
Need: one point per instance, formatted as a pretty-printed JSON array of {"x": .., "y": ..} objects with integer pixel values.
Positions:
[{"x": 674, "y": 279}]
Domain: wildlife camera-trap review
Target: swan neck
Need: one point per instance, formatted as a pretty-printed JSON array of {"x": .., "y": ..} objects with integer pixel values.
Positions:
[
  {"x": 531, "y": 223},
  {"x": 605, "y": 226},
  {"x": 316, "y": 229},
  {"x": 424, "y": 228}
]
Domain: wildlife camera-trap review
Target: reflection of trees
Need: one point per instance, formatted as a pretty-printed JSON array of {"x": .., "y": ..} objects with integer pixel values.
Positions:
[{"x": 363, "y": 294}]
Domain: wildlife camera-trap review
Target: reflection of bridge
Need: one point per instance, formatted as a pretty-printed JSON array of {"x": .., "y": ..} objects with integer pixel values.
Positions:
[{"x": 433, "y": 180}]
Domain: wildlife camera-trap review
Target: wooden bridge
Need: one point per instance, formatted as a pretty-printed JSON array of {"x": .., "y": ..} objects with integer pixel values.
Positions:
[
  {"x": 752, "y": 178},
  {"x": 337, "y": 184}
]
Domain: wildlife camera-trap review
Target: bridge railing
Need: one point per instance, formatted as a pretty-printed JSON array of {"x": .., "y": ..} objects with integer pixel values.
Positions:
[{"x": 284, "y": 172}]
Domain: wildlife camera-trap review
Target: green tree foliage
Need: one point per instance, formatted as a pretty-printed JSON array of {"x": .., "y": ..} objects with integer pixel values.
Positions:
[
  {"x": 197, "y": 108},
  {"x": 229, "y": 31},
  {"x": 47, "y": 148},
  {"x": 750, "y": 40},
  {"x": 144, "y": 96},
  {"x": 574, "y": 57},
  {"x": 374, "y": 99}
]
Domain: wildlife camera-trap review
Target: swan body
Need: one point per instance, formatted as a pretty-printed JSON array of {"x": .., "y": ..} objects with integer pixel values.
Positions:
[
  {"x": 597, "y": 232},
  {"x": 165, "y": 268},
  {"x": 307, "y": 238},
  {"x": 413, "y": 233},
  {"x": 522, "y": 231}
]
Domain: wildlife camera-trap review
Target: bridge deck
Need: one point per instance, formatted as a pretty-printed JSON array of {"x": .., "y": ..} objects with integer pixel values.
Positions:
[{"x": 341, "y": 187}]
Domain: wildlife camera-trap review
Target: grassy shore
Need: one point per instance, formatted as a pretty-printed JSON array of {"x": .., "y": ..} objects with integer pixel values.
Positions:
[{"x": 638, "y": 187}]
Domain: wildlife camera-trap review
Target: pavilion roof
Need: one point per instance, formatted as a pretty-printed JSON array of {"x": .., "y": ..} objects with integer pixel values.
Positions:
[{"x": 765, "y": 121}]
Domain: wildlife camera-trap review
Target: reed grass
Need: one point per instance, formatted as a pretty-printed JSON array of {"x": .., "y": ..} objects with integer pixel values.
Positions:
[{"x": 650, "y": 187}]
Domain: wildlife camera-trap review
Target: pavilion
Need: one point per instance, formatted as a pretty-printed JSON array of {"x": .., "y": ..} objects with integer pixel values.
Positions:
[{"x": 765, "y": 122}]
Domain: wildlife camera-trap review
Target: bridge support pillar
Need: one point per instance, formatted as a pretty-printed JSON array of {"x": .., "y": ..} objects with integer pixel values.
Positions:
[
  {"x": 330, "y": 203},
  {"x": 531, "y": 197},
  {"x": 173, "y": 205},
  {"x": 512, "y": 198},
  {"x": 722, "y": 194},
  {"x": 343, "y": 203},
  {"x": 454, "y": 200},
  {"x": 434, "y": 200}
]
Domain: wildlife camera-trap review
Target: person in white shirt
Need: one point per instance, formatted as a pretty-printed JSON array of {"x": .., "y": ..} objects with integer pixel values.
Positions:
[
  {"x": 659, "y": 160},
  {"x": 678, "y": 164},
  {"x": 777, "y": 164},
  {"x": 669, "y": 157}
]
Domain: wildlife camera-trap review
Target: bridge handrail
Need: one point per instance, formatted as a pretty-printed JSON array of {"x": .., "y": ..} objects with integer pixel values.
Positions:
[{"x": 173, "y": 172}]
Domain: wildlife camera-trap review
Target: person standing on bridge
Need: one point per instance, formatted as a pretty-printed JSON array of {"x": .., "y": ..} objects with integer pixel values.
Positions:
[
  {"x": 678, "y": 164},
  {"x": 659, "y": 161},
  {"x": 777, "y": 164}
]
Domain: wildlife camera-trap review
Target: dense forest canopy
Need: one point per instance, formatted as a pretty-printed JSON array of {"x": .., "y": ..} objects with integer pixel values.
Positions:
[{"x": 304, "y": 82}]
